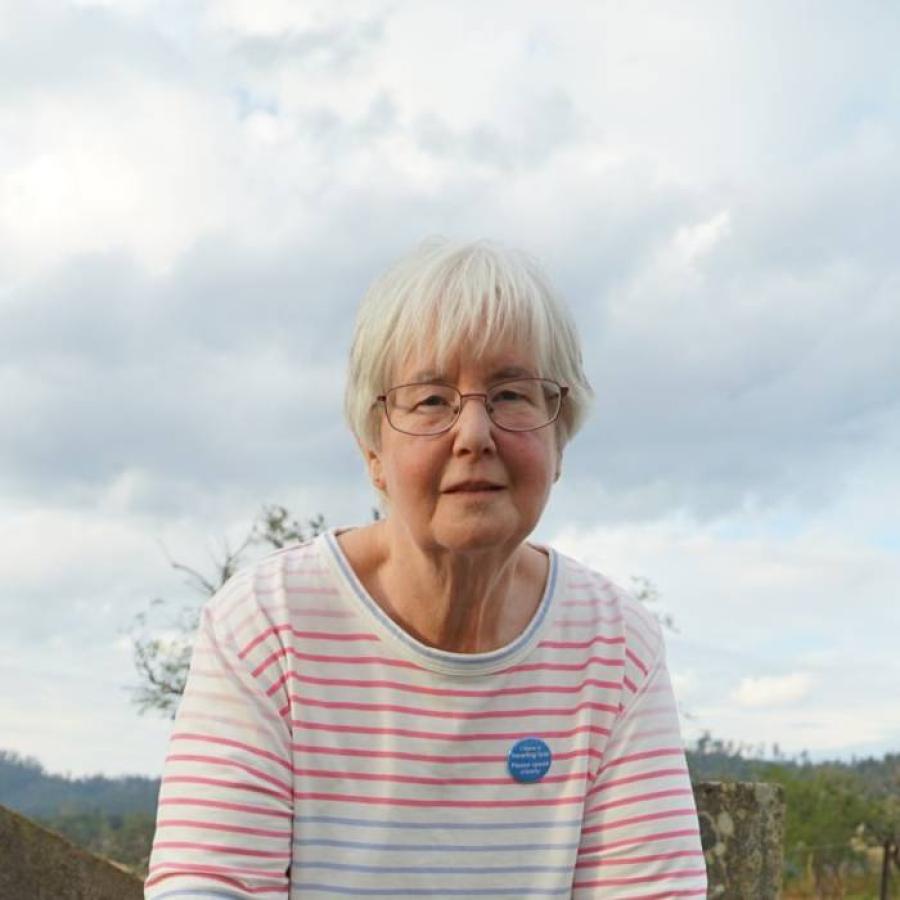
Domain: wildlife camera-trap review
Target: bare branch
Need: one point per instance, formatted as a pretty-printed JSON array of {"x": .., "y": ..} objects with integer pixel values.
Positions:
[{"x": 162, "y": 665}]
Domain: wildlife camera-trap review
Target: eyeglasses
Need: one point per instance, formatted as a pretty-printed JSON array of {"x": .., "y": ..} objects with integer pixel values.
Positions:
[{"x": 520, "y": 404}]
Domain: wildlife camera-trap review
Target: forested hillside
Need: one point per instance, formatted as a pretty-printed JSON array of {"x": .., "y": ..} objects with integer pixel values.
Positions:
[
  {"x": 711, "y": 760},
  {"x": 27, "y": 787},
  {"x": 110, "y": 816}
]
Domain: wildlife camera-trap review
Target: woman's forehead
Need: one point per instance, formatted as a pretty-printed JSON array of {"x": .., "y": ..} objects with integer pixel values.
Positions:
[{"x": 508, "y": 361}]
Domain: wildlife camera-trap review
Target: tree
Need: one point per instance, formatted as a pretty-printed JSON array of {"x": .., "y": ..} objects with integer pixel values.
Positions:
[
  {"x": 647, "y": 592},
  {"x": 827, "y": 823},
  {"x": 162, "y": 661},
  {"x": 885, "y": 830}
]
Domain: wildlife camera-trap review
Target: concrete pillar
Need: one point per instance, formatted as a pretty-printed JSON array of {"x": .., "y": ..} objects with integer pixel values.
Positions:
[{"x": 742, "y": 830}]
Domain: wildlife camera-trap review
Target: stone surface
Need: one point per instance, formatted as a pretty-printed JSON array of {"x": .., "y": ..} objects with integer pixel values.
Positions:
[
  {"x": 742, "y": 829},
  {"x": 36, "y": 864}
]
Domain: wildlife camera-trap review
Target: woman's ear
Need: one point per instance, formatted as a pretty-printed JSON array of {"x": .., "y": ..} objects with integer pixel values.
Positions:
[{"x": 373, "y": 464}]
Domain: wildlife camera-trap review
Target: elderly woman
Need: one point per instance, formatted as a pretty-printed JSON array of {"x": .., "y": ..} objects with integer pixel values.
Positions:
[{"x": 431, "y": 705}]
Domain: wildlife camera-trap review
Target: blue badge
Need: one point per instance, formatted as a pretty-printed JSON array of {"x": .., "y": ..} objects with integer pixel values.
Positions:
[{"x": 529, "y": 760}]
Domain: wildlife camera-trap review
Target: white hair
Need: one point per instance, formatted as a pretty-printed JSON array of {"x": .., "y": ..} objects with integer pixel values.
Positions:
[{"x": 446, "y": 295}]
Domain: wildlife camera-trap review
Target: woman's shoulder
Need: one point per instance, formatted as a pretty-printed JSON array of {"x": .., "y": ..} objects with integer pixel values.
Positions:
[
  {"x": 269, "y": 580},
  {"x": 609, "y": 602}
]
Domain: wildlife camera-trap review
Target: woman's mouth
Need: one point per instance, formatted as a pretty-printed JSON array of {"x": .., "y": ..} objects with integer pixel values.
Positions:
[{"x": 474, "y": 487}]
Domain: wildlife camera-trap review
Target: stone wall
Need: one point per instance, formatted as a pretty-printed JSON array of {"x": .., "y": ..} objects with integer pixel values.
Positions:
[
  {"x": 742, "y": 829},
  {"x": 37, "y": 864}
]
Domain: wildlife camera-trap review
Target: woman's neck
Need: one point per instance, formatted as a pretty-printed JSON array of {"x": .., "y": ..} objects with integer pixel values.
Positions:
[{"x": 461, "y": 602}]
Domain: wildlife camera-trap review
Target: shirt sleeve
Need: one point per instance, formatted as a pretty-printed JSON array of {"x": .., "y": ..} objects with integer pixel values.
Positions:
[
  {"x": 640, "y": 837},
  {"x": 224, "y": 821}
]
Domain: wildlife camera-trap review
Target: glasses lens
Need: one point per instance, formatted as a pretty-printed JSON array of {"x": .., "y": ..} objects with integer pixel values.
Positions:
[
  {"x": 422, "y": 408},
  {"x": 524, "y": 405},
  {"x": 518, "y": 405}
]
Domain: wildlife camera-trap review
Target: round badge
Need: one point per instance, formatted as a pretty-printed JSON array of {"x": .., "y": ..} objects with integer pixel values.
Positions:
[{"x": 529, "y": 760}]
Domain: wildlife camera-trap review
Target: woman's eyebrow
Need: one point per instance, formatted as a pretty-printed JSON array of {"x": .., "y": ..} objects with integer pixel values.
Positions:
[
  {"x": 511, "y": 372},
  {"x": 432, "y": 375},
  {"x": 427, "y": 375}
]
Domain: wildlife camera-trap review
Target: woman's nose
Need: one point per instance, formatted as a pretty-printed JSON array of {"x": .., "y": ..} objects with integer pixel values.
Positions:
[{"x": 474, "y": 428}]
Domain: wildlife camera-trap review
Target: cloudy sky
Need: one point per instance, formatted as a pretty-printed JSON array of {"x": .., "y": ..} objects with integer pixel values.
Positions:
[{"x": 193, "y": 196}]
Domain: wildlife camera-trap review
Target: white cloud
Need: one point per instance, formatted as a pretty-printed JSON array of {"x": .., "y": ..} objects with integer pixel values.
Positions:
[
  {"x": 752, "y": 594},
  {"x": 74, "y": 714},
  {"x": 692, "y": 242},
  {"x": 137, "y": 167},
  {"x": 773, "y": 690},
  {"x": 762, "y": 571},
  {"x": 275, "y": 17}
]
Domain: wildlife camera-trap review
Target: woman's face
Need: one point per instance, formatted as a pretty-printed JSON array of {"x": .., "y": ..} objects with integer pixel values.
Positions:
[{"x": 428, "y": 480}]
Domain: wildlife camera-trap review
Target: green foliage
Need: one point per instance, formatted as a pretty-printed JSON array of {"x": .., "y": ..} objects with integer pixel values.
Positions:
[
  {"x": 126, "y": 839},
  {"x": 828, "y": 823},
  {"x": 712, "y": 759}
]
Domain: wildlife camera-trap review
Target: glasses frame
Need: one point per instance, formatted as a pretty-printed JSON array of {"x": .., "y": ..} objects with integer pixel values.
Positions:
[{"x": 563, "y": 391}]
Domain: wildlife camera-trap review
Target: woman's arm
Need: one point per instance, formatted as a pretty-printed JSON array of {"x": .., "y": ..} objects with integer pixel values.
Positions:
[
  {"x": 640, "y": 836},
  {"x": 224, "y": 822}
]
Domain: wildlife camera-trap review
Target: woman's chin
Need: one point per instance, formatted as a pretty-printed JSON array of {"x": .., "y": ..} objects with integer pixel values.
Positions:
[{"x": 470, "y": 534}]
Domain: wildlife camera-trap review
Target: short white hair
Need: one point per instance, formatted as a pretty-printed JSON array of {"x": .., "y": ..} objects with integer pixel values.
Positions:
[{"x": 445, "y": 295}]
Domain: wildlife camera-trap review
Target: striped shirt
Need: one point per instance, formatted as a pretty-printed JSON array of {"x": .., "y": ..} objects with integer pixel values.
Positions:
[{"x": 321, "y": 751}]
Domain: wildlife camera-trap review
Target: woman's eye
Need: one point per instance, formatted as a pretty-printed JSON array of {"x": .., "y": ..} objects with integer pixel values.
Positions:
[
  {"x": 507, "y": 396},
  {"x": 433, "y": 400}
]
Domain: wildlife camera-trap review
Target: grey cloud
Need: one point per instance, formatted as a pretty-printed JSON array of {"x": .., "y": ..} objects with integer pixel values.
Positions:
[
  {"x": 227, "y": 372},
  {"x": 116, "y": 371},
  {"x": 841, "y": 210},
  {"x": 765, "y": 371},
  {"x": 765, "y": 382},
  {"x": 334, "y": 49},
  {"x": 67, "y": 49},
  {"x": 751, "y": 382},
  {"x": 219, "y": 297},
  {"x": 759, "y": 376},
  {"x": 542, "y": 125}
]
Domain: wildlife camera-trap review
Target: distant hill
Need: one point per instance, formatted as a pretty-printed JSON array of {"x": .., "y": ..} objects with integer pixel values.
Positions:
[
  {"x": 112, "y": 817},
  {"x": 27, "y": 787},
  {"x": 715, "y": 760}
]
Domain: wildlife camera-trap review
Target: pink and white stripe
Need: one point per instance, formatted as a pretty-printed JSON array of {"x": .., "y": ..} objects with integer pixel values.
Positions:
[{"x": 318, "y": 752}]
